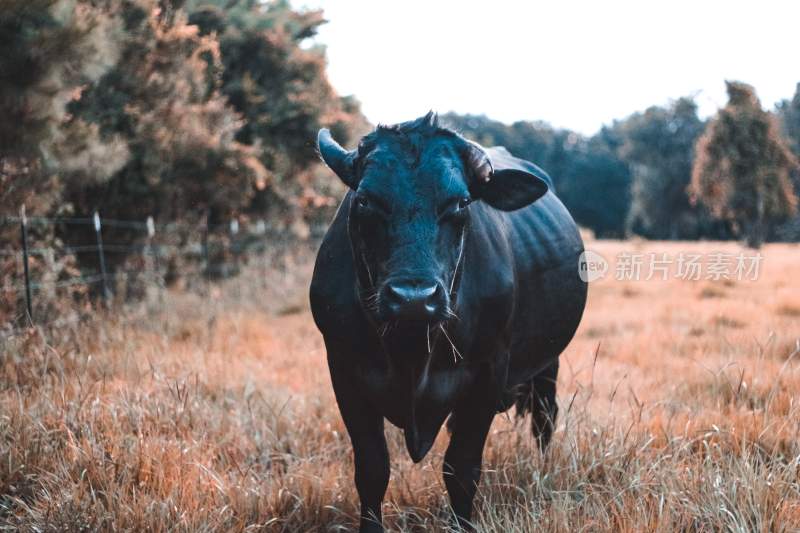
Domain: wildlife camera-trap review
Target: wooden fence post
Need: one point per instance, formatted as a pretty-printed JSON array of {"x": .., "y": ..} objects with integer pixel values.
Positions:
[
  {"x": 103, "y": 274},
  {"x": 234, "y": 228},
  {"x": 206, "y": 256},
  {"x": 154, "y": 252},
  {"x": 204, "y": 244},
  {"x": 151, "y": 245},
  {"x": 261, "y": 228},
  {"x": 233, "y": 248},
  {"x": 25, "y": 267}
]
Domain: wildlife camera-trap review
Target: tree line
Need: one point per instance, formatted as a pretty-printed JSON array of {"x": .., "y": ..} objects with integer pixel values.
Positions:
[
  {"x": 664, "y": 173},
  {"x": 203, "y": 111}
]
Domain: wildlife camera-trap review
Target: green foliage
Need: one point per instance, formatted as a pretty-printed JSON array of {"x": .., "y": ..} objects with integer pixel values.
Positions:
[
  {"x": 163, "y": 108},
  {"x": 591, "y": 180},
  {"x": 279, "y": 87},
  {"x": 184, "y": 109},
  {"x": 155, "y": 107},
  {"x": 658, "y": 145},
  {"x": 596, "y": 183},
  {"x": 162, "y": 101},
  {"x": 743, "y": 166},
  {"x": 168, "y": 134},
  {"x": 789, "y": 114},
  {"x": 48, "y": 49}
]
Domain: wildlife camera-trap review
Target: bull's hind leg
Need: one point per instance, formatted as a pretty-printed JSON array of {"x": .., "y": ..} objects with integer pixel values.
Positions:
[{"x": 543, "y": 406}]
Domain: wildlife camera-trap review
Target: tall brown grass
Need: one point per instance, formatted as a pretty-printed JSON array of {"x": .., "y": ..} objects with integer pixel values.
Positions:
[{"x": 679, "y": 412}]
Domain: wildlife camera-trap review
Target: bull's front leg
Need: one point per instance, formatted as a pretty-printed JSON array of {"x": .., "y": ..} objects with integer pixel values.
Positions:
[
  {"x": 464, "y": 456},
  {"x": 371, "y": 458},
  {"x": 370, "y": 454}
]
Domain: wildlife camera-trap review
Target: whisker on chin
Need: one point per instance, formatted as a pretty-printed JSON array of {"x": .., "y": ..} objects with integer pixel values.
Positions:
[
  {"x": 387, "y": 327},
  {"x": 449, "y": 313},
  {"x": 453, "y": 346},
  {"x": 428, "y": 336},
  {"x": 370, "y": 296},
  {"x": 370, "y": 300}
]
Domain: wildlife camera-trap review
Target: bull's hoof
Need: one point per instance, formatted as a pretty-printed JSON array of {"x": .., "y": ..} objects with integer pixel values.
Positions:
[
  {"x": 464, "y": 525},
  {"x": 370, "y": 526}
]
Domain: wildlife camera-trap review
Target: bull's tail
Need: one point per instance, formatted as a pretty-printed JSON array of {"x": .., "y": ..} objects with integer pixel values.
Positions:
[
  {"x": 538, "y": 397},
  {"x": 520, "y": 396},
  {"x": 523, "y": 399}
]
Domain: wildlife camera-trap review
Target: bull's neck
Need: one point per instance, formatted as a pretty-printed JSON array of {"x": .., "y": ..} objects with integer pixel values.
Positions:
[{"x": 411, "y": 350}]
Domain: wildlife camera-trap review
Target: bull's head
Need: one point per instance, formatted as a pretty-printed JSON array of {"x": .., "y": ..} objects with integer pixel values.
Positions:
[{"x": 414, "y": 184}]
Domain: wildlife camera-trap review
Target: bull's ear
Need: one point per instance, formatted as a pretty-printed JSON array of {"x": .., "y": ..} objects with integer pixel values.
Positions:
[
  {"x": 509, "y": 189},
  {"x": 506, "y": 189},
  {"x": 337, "y": 158}
]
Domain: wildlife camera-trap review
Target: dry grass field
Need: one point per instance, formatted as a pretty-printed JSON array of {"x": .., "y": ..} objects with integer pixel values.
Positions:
[{"x": 680, "y": 411}]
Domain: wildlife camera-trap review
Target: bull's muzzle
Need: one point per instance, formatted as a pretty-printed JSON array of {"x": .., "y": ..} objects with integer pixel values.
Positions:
[{"x": 413, "y": 300}]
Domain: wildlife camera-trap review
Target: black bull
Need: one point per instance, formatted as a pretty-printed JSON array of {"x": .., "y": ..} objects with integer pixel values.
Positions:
[{"x": 446, "y": 286}]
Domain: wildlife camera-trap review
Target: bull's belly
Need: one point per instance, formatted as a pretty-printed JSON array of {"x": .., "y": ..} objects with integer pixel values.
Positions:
[
  {"x": 545, "y": 320},
  {"x": 418, "y": 405},
  {"x": 398, "y": 398}
]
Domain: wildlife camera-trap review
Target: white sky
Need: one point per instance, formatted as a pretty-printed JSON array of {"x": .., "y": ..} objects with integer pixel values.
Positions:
[{"x": 575, "y": 64}]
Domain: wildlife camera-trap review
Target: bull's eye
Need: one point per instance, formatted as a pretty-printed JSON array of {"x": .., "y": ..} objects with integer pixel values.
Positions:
[{"x": 454, "y": 209}]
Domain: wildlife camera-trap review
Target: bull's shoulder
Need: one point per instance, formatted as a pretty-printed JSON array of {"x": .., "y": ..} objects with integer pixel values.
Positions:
[
  {"x": 489, "y": 259},
  {"x": 332, "y": 295},
  {"x": 544, "y": 235}
]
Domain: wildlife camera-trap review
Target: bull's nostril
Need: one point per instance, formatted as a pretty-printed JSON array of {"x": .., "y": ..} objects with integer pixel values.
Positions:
[
  {"x": 413, "y": 300},
  {"x": 432, "y": 299},
  {"x": 413, "y": 292}
]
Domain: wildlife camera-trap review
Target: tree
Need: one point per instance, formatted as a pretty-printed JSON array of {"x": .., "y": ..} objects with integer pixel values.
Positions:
[
  {"x": 162, "y": 100},
  {"x": 789, "y": 114},
  {"x": 279, "y": 86},
  {"x": 658, "y": 145},
  {"x": 597, "y": 183},
  {"x": 47, "y": 53},
  {"x": 48, "y": 50},
  {"x": 160, "y": 105},
  {"x": 130, "y": 107},
  {"x": 743, "y": 166}
]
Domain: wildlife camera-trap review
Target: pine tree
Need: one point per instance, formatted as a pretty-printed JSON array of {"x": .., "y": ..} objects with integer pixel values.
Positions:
[{"x": 743, "y": 167}]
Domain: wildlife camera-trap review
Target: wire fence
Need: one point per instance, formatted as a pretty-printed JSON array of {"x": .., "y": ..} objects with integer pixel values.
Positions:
[{"x": 201, "y": 256}]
